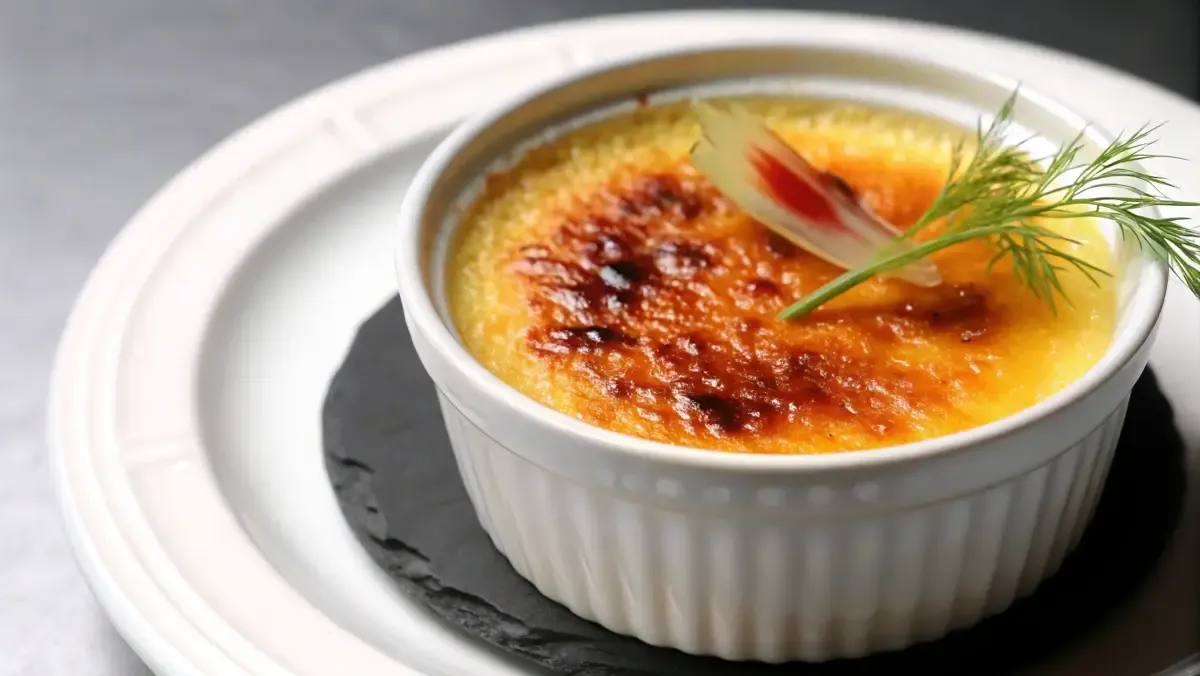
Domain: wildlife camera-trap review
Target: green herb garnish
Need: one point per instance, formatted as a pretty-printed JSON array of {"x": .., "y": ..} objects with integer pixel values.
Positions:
[{"x": 1001, "y": 195}]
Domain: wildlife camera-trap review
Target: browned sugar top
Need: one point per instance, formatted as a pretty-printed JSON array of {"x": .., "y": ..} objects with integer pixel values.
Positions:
[{"x": 606, "y": 278}]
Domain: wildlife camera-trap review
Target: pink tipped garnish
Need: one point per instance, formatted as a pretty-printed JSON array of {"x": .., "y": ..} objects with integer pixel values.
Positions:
[
  {"x": 794, "y": 193},
  {"x": 772, "y": 183}
]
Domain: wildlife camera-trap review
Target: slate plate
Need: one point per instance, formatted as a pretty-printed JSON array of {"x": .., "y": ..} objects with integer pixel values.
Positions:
[{"x": 390, "y": 462}]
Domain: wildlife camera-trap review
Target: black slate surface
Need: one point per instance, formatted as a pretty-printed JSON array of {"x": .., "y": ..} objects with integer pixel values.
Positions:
[{"x": 391, "y": 466}]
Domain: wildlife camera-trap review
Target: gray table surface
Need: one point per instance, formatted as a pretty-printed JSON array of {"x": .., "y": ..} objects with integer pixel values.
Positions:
[{"x": 102, "y": 100}]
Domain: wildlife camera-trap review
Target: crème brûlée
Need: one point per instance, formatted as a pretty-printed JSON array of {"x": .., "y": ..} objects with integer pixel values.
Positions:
[{"x": 602, "y": 276}]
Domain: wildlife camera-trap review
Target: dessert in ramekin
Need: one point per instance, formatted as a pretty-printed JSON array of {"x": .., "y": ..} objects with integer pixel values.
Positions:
[{"x": 648, "y": 448}]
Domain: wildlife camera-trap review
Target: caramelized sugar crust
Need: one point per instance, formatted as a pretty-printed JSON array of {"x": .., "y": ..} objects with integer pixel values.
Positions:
[{"x": 604, "y": 277}]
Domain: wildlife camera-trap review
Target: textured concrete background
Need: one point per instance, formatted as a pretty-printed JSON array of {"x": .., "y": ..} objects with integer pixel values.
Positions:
[{"x": 101, "y": 101}]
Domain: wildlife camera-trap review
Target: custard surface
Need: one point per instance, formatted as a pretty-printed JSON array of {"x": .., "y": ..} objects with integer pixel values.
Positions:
[{"x": 605, "y": 278}]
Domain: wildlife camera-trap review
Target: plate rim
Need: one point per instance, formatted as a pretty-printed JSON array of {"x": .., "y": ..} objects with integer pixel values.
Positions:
[{"x": 70, "y": 462}]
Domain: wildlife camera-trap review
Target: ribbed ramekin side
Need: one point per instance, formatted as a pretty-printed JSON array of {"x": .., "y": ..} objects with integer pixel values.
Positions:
[{"x": 777, "y": 585}]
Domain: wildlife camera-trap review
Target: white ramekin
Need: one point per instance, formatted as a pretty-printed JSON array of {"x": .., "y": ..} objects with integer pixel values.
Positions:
[{"x": 768, "y": 558}]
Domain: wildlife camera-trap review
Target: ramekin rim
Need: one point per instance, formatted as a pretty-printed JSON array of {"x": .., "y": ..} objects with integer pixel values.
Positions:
[{"x": 1148, "y": 299}]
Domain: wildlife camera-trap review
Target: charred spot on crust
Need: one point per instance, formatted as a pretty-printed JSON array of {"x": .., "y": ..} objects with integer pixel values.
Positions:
[
  {"x": 749, "y": 325},
  {"x": 762, "y": 287},
  {"x": 958, "y": 305},
  {"x": 597, "y": 335},
  {"x": 961, "y": 309},
  {"x": 579, "y": 339},
  {"x": 620, "y": 275},
  {"x": 606, "y": 247},
  {"x": 719, "y": 414},
  {"x": 615, "y": 387},
  {"x": 656, "y": 196},
  {"x": 681, "y": 258}
]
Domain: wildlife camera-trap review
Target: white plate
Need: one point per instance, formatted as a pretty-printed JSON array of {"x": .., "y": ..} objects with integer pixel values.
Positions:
[{"x": 185, "y": 414}]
